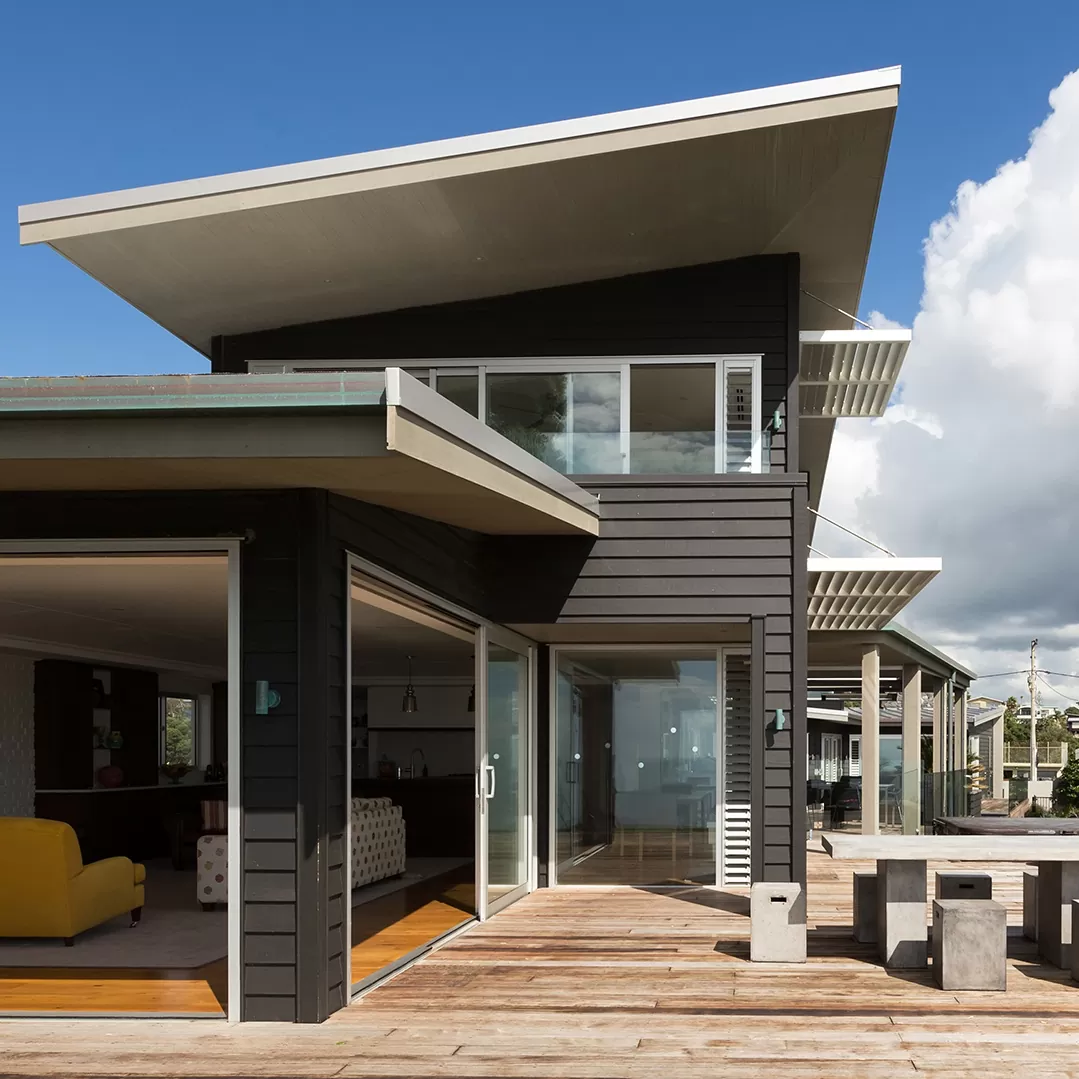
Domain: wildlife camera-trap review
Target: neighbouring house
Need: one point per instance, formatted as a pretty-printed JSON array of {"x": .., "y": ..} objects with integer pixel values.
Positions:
[{"x": 508, "y": 456}]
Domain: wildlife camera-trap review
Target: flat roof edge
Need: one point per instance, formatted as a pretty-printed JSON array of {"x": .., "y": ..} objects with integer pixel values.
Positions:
[
  {"x": 555, "y": 131},
  {"x": 404, "y": 391}
]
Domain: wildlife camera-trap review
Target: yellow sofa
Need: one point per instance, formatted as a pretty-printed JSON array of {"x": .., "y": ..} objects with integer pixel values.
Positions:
[{"x": 46, "y": 891}]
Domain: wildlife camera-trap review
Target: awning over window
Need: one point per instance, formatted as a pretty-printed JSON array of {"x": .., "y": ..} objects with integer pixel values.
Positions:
[
  {"x": 864, "y": 593},
  {"x": 380, "y": 437},
  {"x": 849, "y": 372}
]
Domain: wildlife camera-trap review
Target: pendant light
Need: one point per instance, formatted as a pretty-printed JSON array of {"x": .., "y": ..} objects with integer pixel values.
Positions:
[{"x": 408, "y": 701}]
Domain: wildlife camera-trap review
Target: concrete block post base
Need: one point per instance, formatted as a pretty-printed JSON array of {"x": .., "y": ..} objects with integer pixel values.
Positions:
[
  {"x": 777, "y": 931},
  {"x": 1030, "y": 904},
  {"x": 901, "y": 929},
  {"x": 1058, "y": 885},
  {"x": 865, "y": 908},
  {"x": 970, "y": 944}
]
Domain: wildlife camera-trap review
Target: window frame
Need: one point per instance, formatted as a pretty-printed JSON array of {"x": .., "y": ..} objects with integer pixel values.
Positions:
[
  {"x": 554, "y": 365},
  {"x": 162, "y": 707}
]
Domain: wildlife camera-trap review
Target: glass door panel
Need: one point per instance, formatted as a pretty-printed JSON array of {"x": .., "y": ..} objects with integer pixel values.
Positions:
[
  {"x": 503, "y": 757},
  {"x": 507, "y": 772}
]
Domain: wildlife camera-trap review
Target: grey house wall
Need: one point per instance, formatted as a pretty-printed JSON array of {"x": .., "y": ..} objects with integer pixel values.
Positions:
[
  {"x": 745, "y": 305},
  {"x": 691, "y": 549}
]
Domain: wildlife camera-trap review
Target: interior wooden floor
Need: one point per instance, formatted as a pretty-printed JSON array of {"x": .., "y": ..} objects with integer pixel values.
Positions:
[
  {"x": 625, "y": 982},
  {"x": 201, "y": 991},
  {"x": 391, "y": 927}
]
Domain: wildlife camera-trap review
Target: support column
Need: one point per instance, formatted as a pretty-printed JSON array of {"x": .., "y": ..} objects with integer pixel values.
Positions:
[
  {"x": 938, "y": 729},
  {"x": 871, "y": 741},
  {"x": 997, "y": 778},
  {"x": 912, "y": 749}
]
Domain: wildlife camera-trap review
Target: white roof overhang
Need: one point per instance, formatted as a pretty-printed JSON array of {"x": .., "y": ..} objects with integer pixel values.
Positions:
[
  {"x": 849, "y": 372},
  {"x": 382, "y": 438},
  {"x": 864, "y": 593},
  {"x": 788, "y": 168}
]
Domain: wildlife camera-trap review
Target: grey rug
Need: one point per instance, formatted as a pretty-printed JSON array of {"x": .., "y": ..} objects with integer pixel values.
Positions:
[
  {"x": 175, "y": 932},
  {"x": 163, "y": 939}
]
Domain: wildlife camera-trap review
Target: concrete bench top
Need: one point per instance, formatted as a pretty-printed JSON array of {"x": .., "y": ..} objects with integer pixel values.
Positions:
[{"x": 955, "y": 848}]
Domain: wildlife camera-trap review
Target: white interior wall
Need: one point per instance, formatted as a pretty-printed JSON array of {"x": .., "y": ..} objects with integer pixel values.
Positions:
[{"x": 16, "y": 736}]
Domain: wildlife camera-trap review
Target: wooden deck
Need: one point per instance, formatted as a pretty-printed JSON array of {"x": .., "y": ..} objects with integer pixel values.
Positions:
[{"x": 583, "y": 982}]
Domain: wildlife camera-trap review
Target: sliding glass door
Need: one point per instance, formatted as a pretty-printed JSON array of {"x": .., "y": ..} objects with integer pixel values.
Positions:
[{"x": 503, "y": 760}]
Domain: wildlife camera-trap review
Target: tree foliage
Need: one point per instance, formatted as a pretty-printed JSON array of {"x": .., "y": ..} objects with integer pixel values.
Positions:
[
  {"x": 1066, "y": 789},
  {"x": 179, "y": 731}
]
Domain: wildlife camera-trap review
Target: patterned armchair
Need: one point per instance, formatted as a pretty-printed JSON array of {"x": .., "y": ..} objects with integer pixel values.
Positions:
[{"x": 378, "y": 840}]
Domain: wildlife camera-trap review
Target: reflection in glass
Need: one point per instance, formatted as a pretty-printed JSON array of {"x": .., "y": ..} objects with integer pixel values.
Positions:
[
  {"x": 672, "y": 418},
  {"x": 636, "y": 767},
  {"x": 507, "y": 771},
  {"x": 570, "y": 421},
  {"x": 462, "y": 390}
]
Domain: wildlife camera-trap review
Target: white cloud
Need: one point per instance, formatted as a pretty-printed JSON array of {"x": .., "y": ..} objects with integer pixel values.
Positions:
[{"x": 978, "y": 460}]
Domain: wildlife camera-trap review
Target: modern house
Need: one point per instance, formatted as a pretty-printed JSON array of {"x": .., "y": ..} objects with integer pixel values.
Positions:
[{"x": 506, "y": 462}]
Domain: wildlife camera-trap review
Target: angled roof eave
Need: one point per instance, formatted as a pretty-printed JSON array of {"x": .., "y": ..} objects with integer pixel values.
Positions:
[
  {"x": 532, "y": 142},
  {"x": 511, "y": 211}
]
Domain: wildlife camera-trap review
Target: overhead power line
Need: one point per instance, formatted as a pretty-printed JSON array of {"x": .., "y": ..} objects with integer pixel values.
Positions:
[
  {"x": 1059, "y": 674},
  {"x": 1069, "y": 699},
  {"x": 1006, "y": 674}
]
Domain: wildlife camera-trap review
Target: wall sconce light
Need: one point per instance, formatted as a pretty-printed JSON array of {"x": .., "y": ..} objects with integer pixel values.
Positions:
[{"x": 781, "y": 719}]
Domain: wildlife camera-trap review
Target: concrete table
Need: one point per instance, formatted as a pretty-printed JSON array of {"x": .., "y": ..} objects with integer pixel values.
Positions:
[{"x": 901, "y": 886}]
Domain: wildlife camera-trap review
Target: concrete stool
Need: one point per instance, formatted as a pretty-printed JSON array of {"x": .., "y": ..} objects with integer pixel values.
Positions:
[
  {"x": 865, "y": 908},
  {"x": 970, "y": 944},
  {"x": 777, "y": 923},
  {"x": 1030, "y": 904},
  {"x": 959, "y": 884}
]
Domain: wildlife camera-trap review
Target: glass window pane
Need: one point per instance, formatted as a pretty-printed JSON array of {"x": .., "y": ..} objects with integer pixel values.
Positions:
[
  {"x": 570, "y": 421},
  {"x": 738, "y": 451},
  {"x": 462, "y": 390},
  {"x": 637, "y": 754},
  {"x": 672, "y": 418},
  {"x": 178, "y": 732}
]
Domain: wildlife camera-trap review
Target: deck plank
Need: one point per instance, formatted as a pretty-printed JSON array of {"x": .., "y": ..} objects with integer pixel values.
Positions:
[{"x": 591, "y": 982}]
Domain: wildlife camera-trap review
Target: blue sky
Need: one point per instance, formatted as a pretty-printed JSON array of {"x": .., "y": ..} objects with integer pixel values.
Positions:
[{"x": 110, "y": 95}]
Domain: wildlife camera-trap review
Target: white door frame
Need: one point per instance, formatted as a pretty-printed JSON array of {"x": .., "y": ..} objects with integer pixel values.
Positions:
[
  {"x": 195, "y": 545},
  {"x": 721, "y": 653}
]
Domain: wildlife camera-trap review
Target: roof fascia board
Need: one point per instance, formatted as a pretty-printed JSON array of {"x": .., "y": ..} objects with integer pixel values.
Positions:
[
  {"x": 895, "y": 629},
  {"x": 840, "y": 95},
  {"x": 854, "y": 337},
  {"x": 874, "y": 565},
  {"x": 905, "y": 644}
]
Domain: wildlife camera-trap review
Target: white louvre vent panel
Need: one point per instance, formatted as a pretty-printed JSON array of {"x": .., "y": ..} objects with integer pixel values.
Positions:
[
  {"x": 739, "y": 425},
  {"x": 735, "y": 840},
  {"x": 855, "y": 755},
  {"x": 864, "y": 593},
  {"x": 849, "y": 372}
]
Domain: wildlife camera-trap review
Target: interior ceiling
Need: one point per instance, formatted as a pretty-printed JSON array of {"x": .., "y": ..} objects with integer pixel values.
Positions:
[
  {"x": 382, "y": 641},
  {"x": 169, "y": 609},
  {"x": 808, "y": 185}
]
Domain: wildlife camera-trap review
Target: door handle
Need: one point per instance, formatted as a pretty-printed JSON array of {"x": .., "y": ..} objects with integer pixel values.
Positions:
[{"x": 491, "y": 793}]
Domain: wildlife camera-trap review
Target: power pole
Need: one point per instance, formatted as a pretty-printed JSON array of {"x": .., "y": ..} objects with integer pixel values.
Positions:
[{"x": 1032, "y": 681}]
